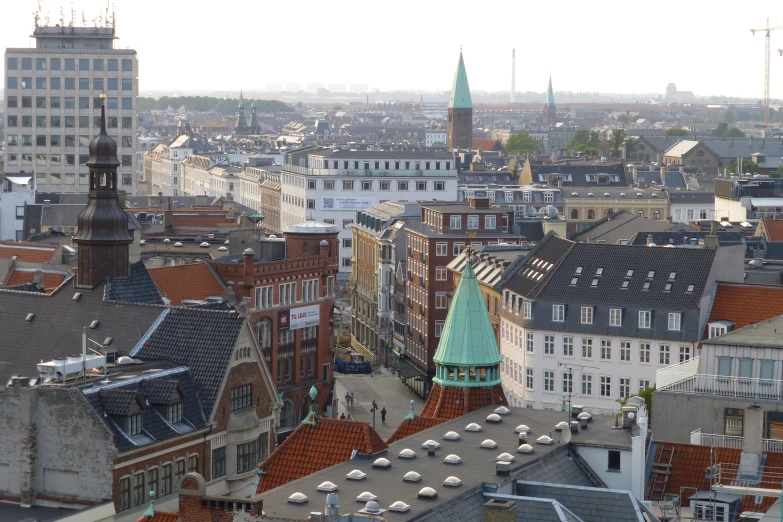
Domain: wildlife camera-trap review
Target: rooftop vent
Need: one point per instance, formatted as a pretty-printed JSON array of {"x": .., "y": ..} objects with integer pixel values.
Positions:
[
  {"x": 590, "y": 194},
  {"x": 606, "y": 194},
  {"x": 451, "y": 435},
  {"x": 639, "y": 194},
  {"x": 399, "y": 507},
  {"x": 226, "y": 241},
  {"x": 502, "y": 410},
  {"x": 204, "y": 245},
  {"x": 356, "y": 475},
  {"x": 29, "y": 317},
  {"x": 654, "y": 194},
  {"x": 561, "y": 426},
  {"x": 622, "y": 194},
  {"x": 494, "y": 418},
  {"x": 452, "y": 482},
  {"x": 222, "y": 249},
  {"x": 327, "y": 487},
  {"x": 366, "y": 496},
  {"x": 544, "y": 439},
  {"x": 177, "y": 244},
  {"x": 76, "y": 296},
  {"x": 503, "y": 467},
  {"x": 94, "y": 324},
  {"x": 297, "y": 498},
  {"x": 411, "y": 476},
  {"x": 407, "y": 454},
  {"x": 381, "y": 463},
  {"x": 430, "y": 444},
  {"x": 489, "y": 444},
  {"x": 371, "y": 508},
  {"x": 525, "y": 448},
  {"x": 522, "y": 428},
  {"x": 473, "y": 427},
  {"x": 427, "y": 493},
  {"x": 452, "y": 459}
]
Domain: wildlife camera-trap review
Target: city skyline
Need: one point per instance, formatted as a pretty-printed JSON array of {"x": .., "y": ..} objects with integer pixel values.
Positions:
[{"x": 616, "y": 53}]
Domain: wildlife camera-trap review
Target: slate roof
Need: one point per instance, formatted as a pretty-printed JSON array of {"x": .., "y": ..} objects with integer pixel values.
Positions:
[
  {"x": 313, "y": 448},
  {"x": 28, "y": 252},
  {"x": 202, "y": 340},
  {"x": 56, "y": 329},
  {"x": 695, "y": 197},
  {"x": 412, "y": 426},
  {"x": 691, "y": 266},
  {"x": 681, "y": 148},
  {"x": 522, "y": 275},
  {"x": 590, "y": 504},
  {"x": 196, "y": 281},
  {"x": 732, "y": 148},
  {"x": 137, "y": 288},
  {"x": 450, "y": 403},
  {"x": 621, "y": 225},
  {"x": 114, "y": 401},
  {"x": 680, "y": 237},
  {"x": 744, "y": 304}
]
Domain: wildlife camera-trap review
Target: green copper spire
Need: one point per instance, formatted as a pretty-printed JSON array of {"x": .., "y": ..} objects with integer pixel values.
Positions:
[
  {"x": 550, "y": 95},
  {"x": 460, "y": 90},
  {"x": 467, "y": 354}
]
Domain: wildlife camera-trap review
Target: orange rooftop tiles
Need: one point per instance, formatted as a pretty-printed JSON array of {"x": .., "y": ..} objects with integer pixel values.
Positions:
[
  {"x": 52, "y": 280},
  {"x": 745, "y": 304},
  {"x": 28, "y": 252},
  {"x": 412, "y": 427},
  {"x": 196, "y": 281},
  {"x": 449, "y": 403},
  {"x": 160, "y": 516},
  {"x": 313, "y": 448},
  {"x": 773, "y": 228}
]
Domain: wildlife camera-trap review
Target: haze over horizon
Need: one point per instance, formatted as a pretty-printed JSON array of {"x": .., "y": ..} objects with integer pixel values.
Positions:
[{"x": 229, "y": 46}]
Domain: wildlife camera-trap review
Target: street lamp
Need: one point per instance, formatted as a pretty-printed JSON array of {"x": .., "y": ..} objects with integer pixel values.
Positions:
[{"x": 167, "y": 241}]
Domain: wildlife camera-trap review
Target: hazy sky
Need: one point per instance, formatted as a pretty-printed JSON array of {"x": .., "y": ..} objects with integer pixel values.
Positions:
[{"x": 607, "y": 46}]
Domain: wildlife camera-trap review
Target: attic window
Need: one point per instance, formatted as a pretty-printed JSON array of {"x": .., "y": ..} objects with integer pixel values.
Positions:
[
  {"x": 29, "y": 318},
  {"x": 574, "y": 281},
  {"x": 690, "y": 288},
  {"x": 646, "y": 285},
  {"x": 94, "y": 325},
  {"x": 108, "y": 341},
  {"x": 668, "y": 287},
  {"x": 579, "y": 270},
  {"x": 174, "y": 413},
  {"x": 599, "y": 271},
  {"x": 629, "y": 273},
  {"x": 594, "y": 283},
  {"x": 650, "y": 274},
  {"x": 133, "y": 425},
  {"x": 672, "y": 276},
  {"x": 76, "y": 296}
]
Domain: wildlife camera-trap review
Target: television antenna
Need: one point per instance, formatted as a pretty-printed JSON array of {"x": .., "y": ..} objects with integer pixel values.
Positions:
[{"x": 570, "y": 367}]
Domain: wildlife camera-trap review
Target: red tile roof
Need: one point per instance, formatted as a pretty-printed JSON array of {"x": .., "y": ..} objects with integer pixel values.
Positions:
[
  {"x": 450, "y": 403},
  {"x": 28, "y": 252},
  {"x": 313, "y": 448},
  {"x": 160, "y": 516},
  {"x": 689, "y": 469},
  {"x": 196, "y": 281},
  {"x": 744, "y": 304},
  {"x": 412, "y": 427},
  {"x": 52, "y": 280},
  {"x": 203, "y": 220},
  {"x": 486, "y": 144},
  {"x": 773, "y": 228}
]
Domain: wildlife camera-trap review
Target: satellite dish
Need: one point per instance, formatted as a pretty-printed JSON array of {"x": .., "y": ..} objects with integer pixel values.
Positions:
[{"x": 567, "y": 435}]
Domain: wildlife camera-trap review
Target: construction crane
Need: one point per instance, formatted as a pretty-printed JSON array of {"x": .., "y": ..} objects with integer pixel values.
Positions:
[{"x": 767, "y": 30}]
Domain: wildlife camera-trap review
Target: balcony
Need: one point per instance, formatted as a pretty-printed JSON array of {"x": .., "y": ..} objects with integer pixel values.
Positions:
[
  {"x": 730, "y": 441},
  {"x": 683, "y": 378}
]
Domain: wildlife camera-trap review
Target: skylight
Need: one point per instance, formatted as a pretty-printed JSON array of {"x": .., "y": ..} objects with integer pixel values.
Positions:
[
  {"x": 625, "y": 284},
  {"x": 646, "y": 285},
  {"x": 651, "y": 274},
  {"x": 629, "y": 273},
  {"x": 673, "y": 276},
  {"x": 690, "y": 288},
  {"x": 579, "y": 270},
  {"x": 594, "y": 283},
  {"x": 574, "y": 281},
  {"x": 599, "y": 271},
  {"x": 668, "y": 287}
]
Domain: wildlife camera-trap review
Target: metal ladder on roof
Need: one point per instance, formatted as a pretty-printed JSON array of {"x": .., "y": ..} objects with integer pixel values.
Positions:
[{"x": 661, "y": 470}]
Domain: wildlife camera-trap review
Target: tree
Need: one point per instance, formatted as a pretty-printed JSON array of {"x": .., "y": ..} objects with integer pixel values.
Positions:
[
  {"x": 675, "y": 131},
  {"x": 780, "y": 171},
  {"x": 586, "y": 137},
  {"x": 729, "y": 116},
  {"x": 618, "y": 140},
  {"x": 734, "y": 132},
  {"x": 522, "y": 143},
  {"x": 748, "y": 167},
  {"x": 337, "y": 108},
  {"x": 624, "y": 118},
  {"x": 721, "y": 129}
]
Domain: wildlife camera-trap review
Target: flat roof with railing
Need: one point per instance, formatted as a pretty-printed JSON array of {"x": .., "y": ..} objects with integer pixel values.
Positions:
[
  {"x": 372, "y": 173},
  {"x": 684, "y": 378}
]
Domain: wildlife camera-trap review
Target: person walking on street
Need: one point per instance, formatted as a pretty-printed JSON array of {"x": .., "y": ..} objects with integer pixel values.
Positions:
[
  {"x": 352, "y": 399},
  {"x": 383, "y": 415},
  {"x": 342, "y": 416},
  {"x": 347, "y": 400},
  {"x": 349, "y": 417}
]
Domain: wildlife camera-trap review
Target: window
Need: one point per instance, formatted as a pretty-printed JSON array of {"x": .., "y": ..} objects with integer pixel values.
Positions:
[
  {"x": 179, "y": 472},
  {"x": 568, "y": 383},
  {"x": 311, "y": 204},
  {"x": 166, "y": 486},
  {"x": 587, "y": 384},
  {"x": 625, "y": 351},
  {"x": 558, "y": 313},
  {"x": 127, "y": 104},
  {"x": 473, "y": 222},
  {"x": 614, "y": 460},
  {"x": 366, "y": 185},
  {"x": 421, "y": 185},
  {"x": 347, "y": 185},
  {"x": 310, "y": 290},
  {"x": 441, "y": 249},
  {"x": 767, "y": 369},
  {"x": 439, "y": 185},
  {"x": 247, "y": 457},
  {"x": 625, "y": 387},
  {"x": 441, "y": 300},
  {"x": 84, "y": 84},
  {"x": 529, "y": 378},
  {"x": 347, "y": 242},
  {"x": 587, "y": 348},
  {"x": 12, "y": 64},
  {"x": 528, "y": 310},
  {"x": 218, "y": 462},
  {"x": 193, "y": 463},
  {"x": 441, "y": 273},
  {"x": 455, "y": 222},
  {"x": 745, "y": 368},
  {"x": 127, "y": 64},
  {"x": 606, "y": 349},
  {"x": 685, "y": 352},
  {"x": 347, "y": 223},
  {"x": 287, "y": 293},
  {"x": 674, "y": 321},
  {"x": 346, "y": 262},
  {"x": 174, "y": 413},
  {"x": 489, "y": 222},
  {"x": 439, "y": 327},
  {"x": 615, "y": 317},
  {"x": 644, "y": 319},
  {"x": 663, "y": 354},
  {"x": 241, "y": 397},
  {"x": 529, "y": 342},
  {"x": 12, "y": 82},
  {"x": 644, "y": 352},
  {"x": 549, "y": 345},
  {"x": 724, "y": 366},
  {"x": 134, "y": 424},
  {"x": 549, "y": 380},
  {"x": 568, "y": 346},
  {"x": 606, "y": 386},
  {"x": 644, "y": 384},
  {"x": 27, "y": 82},
  {"x": 457, "y": 248},
  {"x": 587, "y": 315},
  {"x": 125, "y": 493},
  {"x": 152, "y": 480},
  {"x": 138, "y": 489},
  {"x": 127, "y": 84},
  {"x": 402, "y": 185}
]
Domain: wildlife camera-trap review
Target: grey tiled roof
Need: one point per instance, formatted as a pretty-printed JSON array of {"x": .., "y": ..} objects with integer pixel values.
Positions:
[
  {"x": 202, "y": 340},
  {"x": 679, "y": 238},
  {"x": 691, "y": 265},
  {"x": 517, "y": 277},
  {"x": 162, "y": 391},
  {"x": 138, "y": 288},
  {"x": 119, "y": 402}
]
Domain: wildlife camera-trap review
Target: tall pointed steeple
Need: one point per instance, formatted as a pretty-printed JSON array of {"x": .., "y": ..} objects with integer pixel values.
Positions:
[
  {"x": 550, "y": 94},
  {"x": 459, "y": 130},
  {"x": 253, "y": 118},
  {"x": 549, "y": 113}
]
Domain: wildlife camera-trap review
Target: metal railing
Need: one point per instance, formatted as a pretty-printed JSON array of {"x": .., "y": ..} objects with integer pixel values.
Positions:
[
  {"x": 371, "y": 173},
  {"x": 727, "y": 386},
  {"x": 731, "y": 441},
  {"x": 676, "y": 373}
]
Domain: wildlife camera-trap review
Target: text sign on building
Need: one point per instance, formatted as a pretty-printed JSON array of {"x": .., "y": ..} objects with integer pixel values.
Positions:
[
  {"x": 304, "y": 317},
  {"x": 219, "y": 160},
  {"x": 333, "y": 203}
]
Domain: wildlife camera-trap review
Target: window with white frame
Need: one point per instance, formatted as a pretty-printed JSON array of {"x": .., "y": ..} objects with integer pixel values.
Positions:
[
  {"x": 528, "y": 310},
  {"x": 529, "y": 378},
  {"x": 527, "y": 197},
  {"x": 440, "y": 273},
  {"x": 473, "y": 222},
  {"x": 606, "y": 386},
  {"x": 644, "y": 319},
  {"x": 457, "y": 248},
  {"x": 644, "y": 352},
  {"x": 558, "y": 313},
  {"x": 587, "y": 384},
  {"x": 287, "y": 293},
  {"x": 549, "y": 197},
  {"x": 509, "y": 197},
  {"x": 441, "y": 300},
  {"x": 441, "y": 249},
  {"x": 685, "y": 352},
  {"x": 568, "y": 346},
  {"x": 439, "y": 327},
  {"x": 264, "y": 297},
  {"x": 674, "y": 321},
  {"x": 717, "y": 329},
  {"x": 455, "y": 222},
  {"x": 529, "y": 342},
  {"x": 587, "y": 348},
  {"x": 549, "y": 345},
  {"x": 644, "y": 384},
  {"x": 568, "y": 382},
  {"x": 625, "y": 351},
  {"x": 663, "y": 354},
  {"x": 490, "y": 222},
  {"x": 310, "y": 290},
  {"x": 549, "y": 380},
  {"x": 615, "y": 317},
  {"x": 606, "y": 349},
  {"x": 624, "y": 389},
  {"x": 587, "y": 315}
]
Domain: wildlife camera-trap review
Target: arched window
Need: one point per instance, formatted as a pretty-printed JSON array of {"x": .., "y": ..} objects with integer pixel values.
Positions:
[
  {"x": 264, "y": 333},
  {"x": 657, "y": 215},
  {"x": 591, "y": 214},
  {"x": 304, "y": 406},
  {"x": 288, "y": 414},
  {"x": 640, "y": 213},
  {"x": 574, "y": 214}
]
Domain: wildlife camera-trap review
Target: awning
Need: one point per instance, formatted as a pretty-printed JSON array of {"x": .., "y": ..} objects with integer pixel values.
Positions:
[
  {"x": 408, "y": 370},
  {"x": 19, "y": 180}
]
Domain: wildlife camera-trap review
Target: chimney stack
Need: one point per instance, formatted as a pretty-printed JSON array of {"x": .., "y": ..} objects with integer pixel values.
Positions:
[
  {"x": 500, "y": 510},
  {"x": 513, "y": 74}
]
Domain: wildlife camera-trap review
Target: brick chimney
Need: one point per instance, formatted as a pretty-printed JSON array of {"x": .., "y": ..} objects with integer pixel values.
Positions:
[
  {"x": 497, "y": 510},
  {"x": 247, "y": 272}
]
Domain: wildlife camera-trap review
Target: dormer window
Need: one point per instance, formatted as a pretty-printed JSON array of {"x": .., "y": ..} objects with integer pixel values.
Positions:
[
  {"x": 650, "y": 274},
  {"x": 134, "y": 424},
  {"x": 629, "y": 273},
  {"x": 717, "y": 328},
  {"x": 599, "y": 271},
  {"x": 672, "y": 276},
  {"x": 579, "y": 270},
  {"x": 174, "y": 413}
]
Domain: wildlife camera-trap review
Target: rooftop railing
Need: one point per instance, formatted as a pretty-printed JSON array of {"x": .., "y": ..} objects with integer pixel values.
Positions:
[
  {"x": 371, "y": 173},
  {"x": 684, "y": 378}
]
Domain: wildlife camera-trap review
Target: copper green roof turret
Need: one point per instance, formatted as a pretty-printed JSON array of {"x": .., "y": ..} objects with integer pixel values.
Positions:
[
  {"x": 550, "y": 95},
  {"x": 467, "y": 354},
  {"x": 460, "y": 90}
]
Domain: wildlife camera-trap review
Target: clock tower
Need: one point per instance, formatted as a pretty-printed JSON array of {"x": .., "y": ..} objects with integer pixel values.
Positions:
[{"x": 459, "y": 131}]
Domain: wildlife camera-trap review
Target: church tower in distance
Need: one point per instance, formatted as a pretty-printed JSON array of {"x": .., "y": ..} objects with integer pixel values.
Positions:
[{"x": 459, "y": 131}]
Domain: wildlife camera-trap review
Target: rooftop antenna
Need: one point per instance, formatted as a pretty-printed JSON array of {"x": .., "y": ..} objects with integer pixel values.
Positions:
[
  {"x": 62, "y": 17},
  {"x": 570, "y": 367},
  {"x": 84, "y": 19},
  {"x": 73, "y": 15}
]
